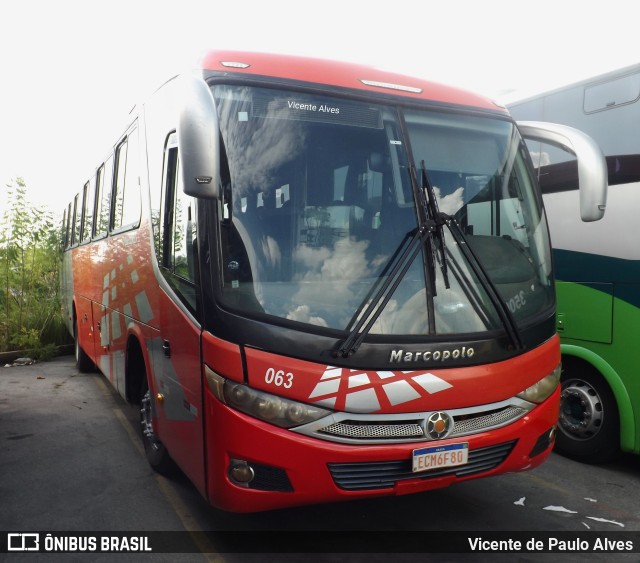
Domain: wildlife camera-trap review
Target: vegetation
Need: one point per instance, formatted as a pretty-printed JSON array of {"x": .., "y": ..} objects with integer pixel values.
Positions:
[{"x": 30, "y": 317}]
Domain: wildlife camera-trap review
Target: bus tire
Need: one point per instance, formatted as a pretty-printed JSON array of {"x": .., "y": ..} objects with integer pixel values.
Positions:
[
  {"x": 155, "y": 451},
  {"x": 589, "y": 424},
  {"x": 83, "y": 361}
]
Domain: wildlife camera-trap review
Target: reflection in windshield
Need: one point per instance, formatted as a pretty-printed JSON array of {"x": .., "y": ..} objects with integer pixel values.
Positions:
[
  {"x": 317, "y": 200},
  {"x": 324, "y": 266}
]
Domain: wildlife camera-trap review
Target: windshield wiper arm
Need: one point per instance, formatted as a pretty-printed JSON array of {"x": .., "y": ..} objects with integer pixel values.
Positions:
[
  {"x": 481, "y": 274},
  {"x": 380, "y": 293},
  {"x": 431, "y": 225},
  {"x": 430, "y": 221},
  {"x": 439, "y": 220}
]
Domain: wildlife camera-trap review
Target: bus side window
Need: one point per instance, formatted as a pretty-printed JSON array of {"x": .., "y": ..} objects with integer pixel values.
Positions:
[
  {"x": 103, "y": 197},
  {"x": 127, "y": 204},
  {"x": 63, "y": 235},
  {"x": 67, "y": 229},
  {"x": 178, "y": 233},
  {"x": 88, "y": 205},
  {"x": 184, "y": 231},
  {"x": 77, "y": 218},
  {"x": 556, "y": 169}
]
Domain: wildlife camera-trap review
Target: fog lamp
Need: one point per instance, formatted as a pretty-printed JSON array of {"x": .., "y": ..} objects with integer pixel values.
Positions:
[{"x": 241, "y": 472}]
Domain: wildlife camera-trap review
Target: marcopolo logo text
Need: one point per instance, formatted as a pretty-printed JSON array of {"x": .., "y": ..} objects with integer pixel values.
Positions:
[{"x": 444, "y": 355}]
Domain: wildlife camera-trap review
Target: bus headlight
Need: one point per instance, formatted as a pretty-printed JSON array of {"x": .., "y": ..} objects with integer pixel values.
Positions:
[
  {"x": 542, "y": 390},
  {"x": 264, "y": 406}
]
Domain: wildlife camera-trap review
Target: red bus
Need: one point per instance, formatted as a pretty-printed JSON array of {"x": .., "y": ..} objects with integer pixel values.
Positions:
[{"x": 322, "y": 281}]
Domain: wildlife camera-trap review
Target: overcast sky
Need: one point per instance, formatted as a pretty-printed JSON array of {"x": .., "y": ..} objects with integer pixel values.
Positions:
[{"x": 72, "y": 69}]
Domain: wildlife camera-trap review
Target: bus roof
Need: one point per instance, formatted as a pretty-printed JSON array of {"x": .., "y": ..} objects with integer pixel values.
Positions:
[
  {"x": 522, "y": 97},
  {"x": 341, "y": 74}
]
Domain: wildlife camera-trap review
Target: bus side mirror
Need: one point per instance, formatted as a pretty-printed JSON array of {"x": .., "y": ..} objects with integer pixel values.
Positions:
[
  {"x": 198, "y": 140},
  {"x": 592, "y": 166}
]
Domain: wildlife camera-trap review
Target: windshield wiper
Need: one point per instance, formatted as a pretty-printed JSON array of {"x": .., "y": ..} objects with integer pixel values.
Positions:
[
  {"x": 437, "y": 226},
  {"x": 429, "y": 231},
  {"x": 487, "y": 283},
  {"x": 440, "y": 220},
  {"x": 380, "y": 293}
]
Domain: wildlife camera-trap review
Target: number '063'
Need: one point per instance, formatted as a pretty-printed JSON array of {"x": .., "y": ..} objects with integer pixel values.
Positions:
[{"x": 279, "y": 378}]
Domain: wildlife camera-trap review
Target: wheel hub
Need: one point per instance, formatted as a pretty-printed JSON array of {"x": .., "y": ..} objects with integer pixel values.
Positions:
[{"x": 581, "y": 413}]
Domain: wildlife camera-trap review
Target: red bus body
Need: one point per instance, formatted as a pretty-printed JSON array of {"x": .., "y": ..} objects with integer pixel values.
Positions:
[{"x": 132, "y": 327}]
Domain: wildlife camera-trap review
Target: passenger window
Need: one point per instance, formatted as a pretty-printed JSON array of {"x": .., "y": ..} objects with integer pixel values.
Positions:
[
  {"x": 127, "y": 205},
  {"x": 77, "y": 217},
  {"x": 67, "y": 229},
  {"x": 63, "y": 234},
  {"x": 88, "y": 199},
  {"x": 184, "y": 232},
  {"x": 103, "y": 197}
]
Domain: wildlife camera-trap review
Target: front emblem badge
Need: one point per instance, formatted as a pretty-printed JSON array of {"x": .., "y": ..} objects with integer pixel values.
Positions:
[{"x": 439, "y": 425}]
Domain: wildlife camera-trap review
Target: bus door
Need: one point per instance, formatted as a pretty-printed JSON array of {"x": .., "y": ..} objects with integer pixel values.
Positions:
[{"x": 178, "y": 373}]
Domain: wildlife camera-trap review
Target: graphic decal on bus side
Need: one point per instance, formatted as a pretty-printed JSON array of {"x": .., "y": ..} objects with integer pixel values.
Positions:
[
  {"x": 369, "y": 391},
  {"x": 119, "y": 293},
  {"x": 110, "y": 285}
]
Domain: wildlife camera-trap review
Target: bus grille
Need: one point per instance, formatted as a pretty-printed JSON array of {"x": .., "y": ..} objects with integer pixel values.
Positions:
[
  {"x": 499, "y": 417},
  {"x": 385, "y": 474},
  {"x": 378, "y": 430},
  {"x": 374, "y": 430}
]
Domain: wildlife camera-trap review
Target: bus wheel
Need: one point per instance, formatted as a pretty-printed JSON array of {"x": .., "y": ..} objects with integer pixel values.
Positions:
[
  {"x": 157, "y": 455},
  {"x": 589, "y": 426},
  {"x": 83, "y": 361}
]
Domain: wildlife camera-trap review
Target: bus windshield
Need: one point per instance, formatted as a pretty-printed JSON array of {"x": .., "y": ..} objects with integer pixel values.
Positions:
[{"x": 320, "y": 195}]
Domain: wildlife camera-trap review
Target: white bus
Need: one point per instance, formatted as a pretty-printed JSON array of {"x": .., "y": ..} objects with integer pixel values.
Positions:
[{"x": 597, "y": 265}]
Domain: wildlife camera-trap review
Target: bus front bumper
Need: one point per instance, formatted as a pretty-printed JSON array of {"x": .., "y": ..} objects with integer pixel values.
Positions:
[{"x": 254, "y": 466}]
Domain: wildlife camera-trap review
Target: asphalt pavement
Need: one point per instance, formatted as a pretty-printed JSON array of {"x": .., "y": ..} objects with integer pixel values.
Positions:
[{"x": 69, "y": 462}]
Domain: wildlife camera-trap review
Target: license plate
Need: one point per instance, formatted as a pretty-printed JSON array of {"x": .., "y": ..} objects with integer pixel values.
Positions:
[{"x": 438, "y": 457}]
